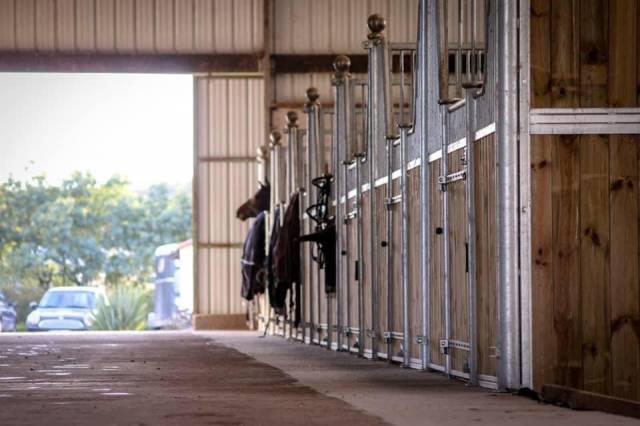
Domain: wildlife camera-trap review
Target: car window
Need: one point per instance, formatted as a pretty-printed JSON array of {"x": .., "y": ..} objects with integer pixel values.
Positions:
[{"x": 68, "y": 299}]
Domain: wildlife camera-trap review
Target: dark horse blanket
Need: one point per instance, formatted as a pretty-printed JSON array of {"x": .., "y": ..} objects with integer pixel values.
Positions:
[{"x": 253, "y": 258}]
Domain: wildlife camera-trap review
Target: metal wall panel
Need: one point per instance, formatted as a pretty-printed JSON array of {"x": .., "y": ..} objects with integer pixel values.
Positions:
[
  {"x": 144, "y": 26},
  {"x": 292, "y": 88},
  {"x": 229, "y": 126},
  {"x": 338, "y": 26}
]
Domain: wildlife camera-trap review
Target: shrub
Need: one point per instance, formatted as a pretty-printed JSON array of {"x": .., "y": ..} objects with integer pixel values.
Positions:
[{"x": 126, "y": 309}]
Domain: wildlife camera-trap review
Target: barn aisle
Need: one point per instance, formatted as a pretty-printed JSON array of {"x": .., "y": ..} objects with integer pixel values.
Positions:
[
  {"x": 157, "y": 378},
  {"x": 235, "y": 378}
]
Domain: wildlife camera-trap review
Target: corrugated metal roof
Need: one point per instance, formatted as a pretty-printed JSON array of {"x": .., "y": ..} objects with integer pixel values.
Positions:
[{"x": 144, "y": 26}]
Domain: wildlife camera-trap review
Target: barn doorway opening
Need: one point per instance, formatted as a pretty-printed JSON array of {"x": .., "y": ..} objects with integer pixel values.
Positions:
[{"x": 95, "y": 201}]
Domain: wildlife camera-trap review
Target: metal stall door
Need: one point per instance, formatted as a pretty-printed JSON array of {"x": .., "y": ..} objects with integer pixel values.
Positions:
[{"x": 229, "y": 127}]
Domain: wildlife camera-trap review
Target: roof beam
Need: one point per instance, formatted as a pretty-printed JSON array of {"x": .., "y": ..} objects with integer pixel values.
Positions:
[
  {"x": 130, "y": 63},
  {"x": 301, "y": 64}
]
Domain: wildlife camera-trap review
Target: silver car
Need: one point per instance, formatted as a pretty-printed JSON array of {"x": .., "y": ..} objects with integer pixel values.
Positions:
[{"x": 65, "y": 308}]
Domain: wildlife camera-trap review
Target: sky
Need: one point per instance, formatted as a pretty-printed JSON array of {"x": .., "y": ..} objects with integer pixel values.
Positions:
[{"x": 138, "y": 126}]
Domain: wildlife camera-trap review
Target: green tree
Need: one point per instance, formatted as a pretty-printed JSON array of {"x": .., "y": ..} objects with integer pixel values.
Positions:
[{"x": 81, "y": 232}]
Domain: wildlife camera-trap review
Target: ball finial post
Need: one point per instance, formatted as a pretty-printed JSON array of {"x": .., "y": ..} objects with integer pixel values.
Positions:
[
  {"x": 312, "y": 95},
  {"x": 275, "y": 137},
  {"x": 292, "y": 118},
  {"x": 376, "y": 24},
  {"x": 341, "y": 65}
]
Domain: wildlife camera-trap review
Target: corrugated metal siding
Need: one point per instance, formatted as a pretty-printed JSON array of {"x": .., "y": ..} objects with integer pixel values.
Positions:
[
  {"x": 229, "y": 126},
  {"x": 293, "y": 87},
  {"x": 128, "y": 26},
  {"x": 338, "y": 26}
]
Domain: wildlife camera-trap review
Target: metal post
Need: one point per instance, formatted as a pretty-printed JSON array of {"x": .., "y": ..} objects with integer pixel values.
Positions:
[
  {"x": 279, "y": 182},
  {"x": 359, "y": 267},
  {"x": 311, "y": 199},
  {"x": 322, "y": 171},
  {"x": 342, "y": 126},
  {"x": 293, "y": 179},
  {"x": 312, "y": 110},
  {"x": 525, "y": 196},
  {"x": 347, "y": 284},
  {"x": 459, "y": 49},
  {"x": 337, "y": 175},
  {"x": 425, "y": 220},
  {"x": 389, "y": 247},
  {"x": 471, "y": 231},
  {"x": 444, "y": 170},
  {"x": 507, "y": 183},
  {"x": 380, "y": 117},
  {"x": 406, "y": 334}
]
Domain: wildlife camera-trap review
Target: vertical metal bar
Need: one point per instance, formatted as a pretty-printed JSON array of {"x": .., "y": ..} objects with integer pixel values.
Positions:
[
  {"x": 425, "y": 219},
  {"x": 507, "y": 183},
  {"x": 322, "y": 171},
  {"x": 525, "y": 197},
  {"x": 444, "y": 170},
  {"x": 414, "y": 84},
  {"x": 390, "y": 283},
  {"x": 459, "y": 50},
  {"x": 445, "y": 48},
  {"x": 406, "y": 333},
  {"x": 360, "y": 269},
  {"x": 274, "y": 139},
  {"x": 292, "y": 186},
  {"x": 339, "y": 138},
  {"x": 379, "y": 118},
  {"x": 310, "y": 200},
  {"x": 302, "y": 191},
  {"x": 347, "y": 278},
  {"x": 401, "y": 121},
  {"x": 337, "y": 180},
  {"x": 474, "y": 35},
  {"x": 471, "y": 235}
]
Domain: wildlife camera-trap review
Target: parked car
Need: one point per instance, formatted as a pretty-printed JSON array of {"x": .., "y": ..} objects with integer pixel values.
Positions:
[
  {"x": 65, "y": 308},
  {"x": 8, "y": 318}
]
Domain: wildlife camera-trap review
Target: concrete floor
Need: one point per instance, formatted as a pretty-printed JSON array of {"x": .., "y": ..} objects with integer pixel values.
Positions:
[{"x": 183, "y": 378}]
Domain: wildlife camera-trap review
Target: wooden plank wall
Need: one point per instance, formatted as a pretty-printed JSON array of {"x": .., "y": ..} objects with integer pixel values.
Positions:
[
  {"x": 458, "y": 264},
  {"x": 586, "y": 289},
  {"x": 436, "y": 290},
  {"x": 415, "y": 287},
  {"x": 383, "y": 285},
  {"x": 486, "y": 255}
]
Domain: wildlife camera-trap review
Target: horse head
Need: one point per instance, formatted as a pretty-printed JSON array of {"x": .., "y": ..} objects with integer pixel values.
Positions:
[{"x": 254, "y": 205}]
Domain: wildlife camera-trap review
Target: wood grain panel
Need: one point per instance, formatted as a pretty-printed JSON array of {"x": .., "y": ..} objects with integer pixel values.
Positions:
[
  {"x": 594, "y": 266},
  {"x": 366, "y": 281},
  {"x": 436, "y": 288},
  {"x": 624, "y": 286},
  {"x": 566, "y": 237},
  {"x": 542, "y": 248},
  {"x": 486, "y": 283},
  {"x": 415, "y": 256},
  {"x": 397, "y": 325},
  {"x": 383, "y": 283},
  {"x": 540, "y": 53},
  {"x": 353, "y": 284},
  {"x": 458, "y": 263}
]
